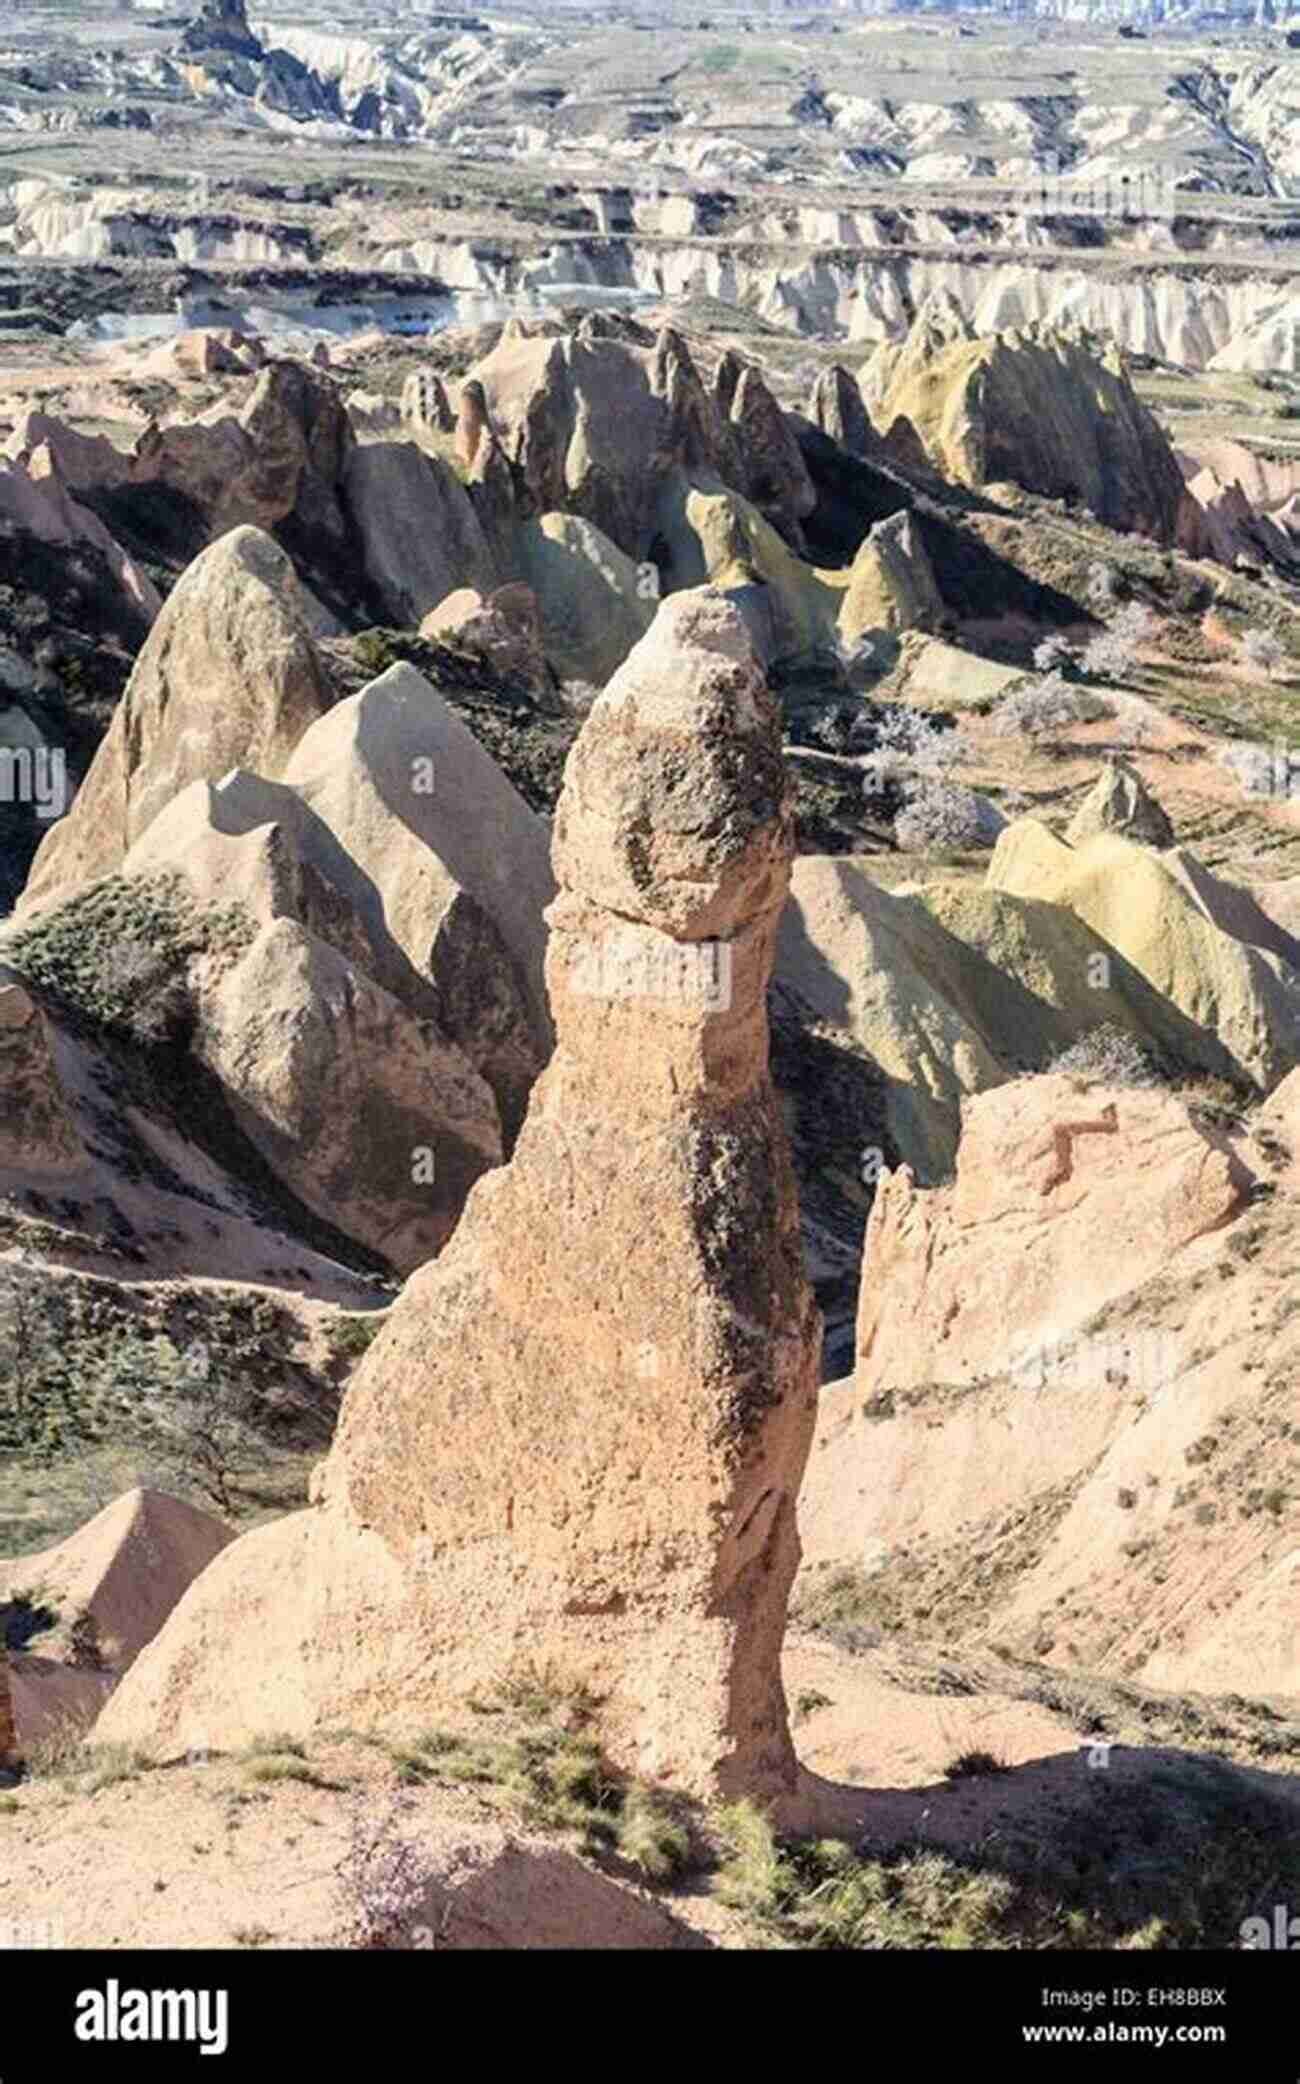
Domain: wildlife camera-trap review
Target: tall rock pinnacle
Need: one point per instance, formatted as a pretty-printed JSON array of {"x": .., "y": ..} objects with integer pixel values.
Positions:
[{"x": 579, "y": 1440}]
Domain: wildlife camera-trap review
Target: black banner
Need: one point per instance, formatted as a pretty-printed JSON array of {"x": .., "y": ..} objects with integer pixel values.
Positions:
[{"x": 247, "y": 2014}]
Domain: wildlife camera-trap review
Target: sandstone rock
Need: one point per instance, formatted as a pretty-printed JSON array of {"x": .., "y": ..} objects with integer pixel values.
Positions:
[
  {"x": 593, "y": 425},
  {"x": 1036, "y": 407},
  {"x": 209, "y": 461},
  {"x": 579, "y": 1441},
  {"x": 36, "y": 1128},
  {"x": 589, "y": 599},
  {"x": 836, "y": 407},
  {"x": 891, "y": 584},
  {"x": 495, "y": 497},
  {"x": 459, "y": 863},
  {"x": 504, "y": 630},
  {"x": 718, "y": 537},
  {"x": 375, "y": 1121},
  {"x": 420, "y": 534},
  {"x": 35, "y": 501},
  {"x": 777, "y": 477},
  {"x": 205, "y": 351},
  {"x": 938, "y": 675},
  {"x": 458, "y": 609},
  {"x": 222, "y": 25},
  {"x": 731, "y": 367},
  {"x": 125, "y": 1570},
  {"x": 1218, "y": 521},
  {"x": 309, "y": 1088},
  {"x": 1279, "y": 900},
  {"x": 300, "y": 438},
  {"x": 277, "y": 462},
  {"x": 1120, "y": 802},
  {"x": 371, "y": 414},
  {"x": 126, "y": 1567},
  {"x": 319, "y": 1030},
  {"x": 1074, "y": 976},
  {"x": 82, "y": 462},
  {"x": 258, "y": 845},
  {"x": 903, "y": 447},
  {"x": 937, "y": 1018},
  {"x": 976, "y": 1304},
  {"x": 952, "y": 990},
  {"x": 229, "y": 675},
  {"x": 1203, "y": 945},
  {"x": 472, "y": 423}
]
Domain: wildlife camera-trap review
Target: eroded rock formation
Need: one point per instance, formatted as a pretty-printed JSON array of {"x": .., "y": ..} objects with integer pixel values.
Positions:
[
  {"x": 836, "y": 407},
  {"x": 1051, "y": 410},
  {"x": 228, "y": 676},
  {"x": 579, "y": 1440},
  {"x": 1070, "y": 1363},
  {"x": 1120, "y": 802}
]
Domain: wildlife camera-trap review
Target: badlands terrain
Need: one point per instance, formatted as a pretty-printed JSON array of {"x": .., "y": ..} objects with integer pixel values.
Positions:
[{"x": 649, "y": 978}]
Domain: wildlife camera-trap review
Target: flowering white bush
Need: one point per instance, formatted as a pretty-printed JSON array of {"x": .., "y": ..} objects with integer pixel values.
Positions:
[
  {"x": 938, "y": 814},
  {"x": 1262, "y": 649},
  {"x": 1114, "y": 653},
  {"x": 1048, "y": 704},
  {"x": 1052, "y": 654},
  {"x": 382, "y": 1880},
  {"x": 1103, "y": 586},
  {"x": 1107, "y": 1055},
  {"x": 908, "y": 748}
]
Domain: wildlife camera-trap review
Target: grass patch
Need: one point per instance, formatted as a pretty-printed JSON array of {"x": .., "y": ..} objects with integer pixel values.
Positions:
[
  {"x": 1176, "y": 1859},
  {"x": 975, "y": 1765},
  {"x": 116, "y": 956},
  {"x": 352, "y": 1337},
  {"x": 63, "y": 1754},
  {"x": 558, "y": 1781},
  {"x": 274, "y": 1758},
  {"x": 277, "y": 1767},
  {"x": 845, "y": 1606},
  {"x": 820, "y": 1895}
]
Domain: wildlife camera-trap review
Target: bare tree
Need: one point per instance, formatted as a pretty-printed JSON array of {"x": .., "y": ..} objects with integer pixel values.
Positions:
[{"x": 212, "y": 1441}]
